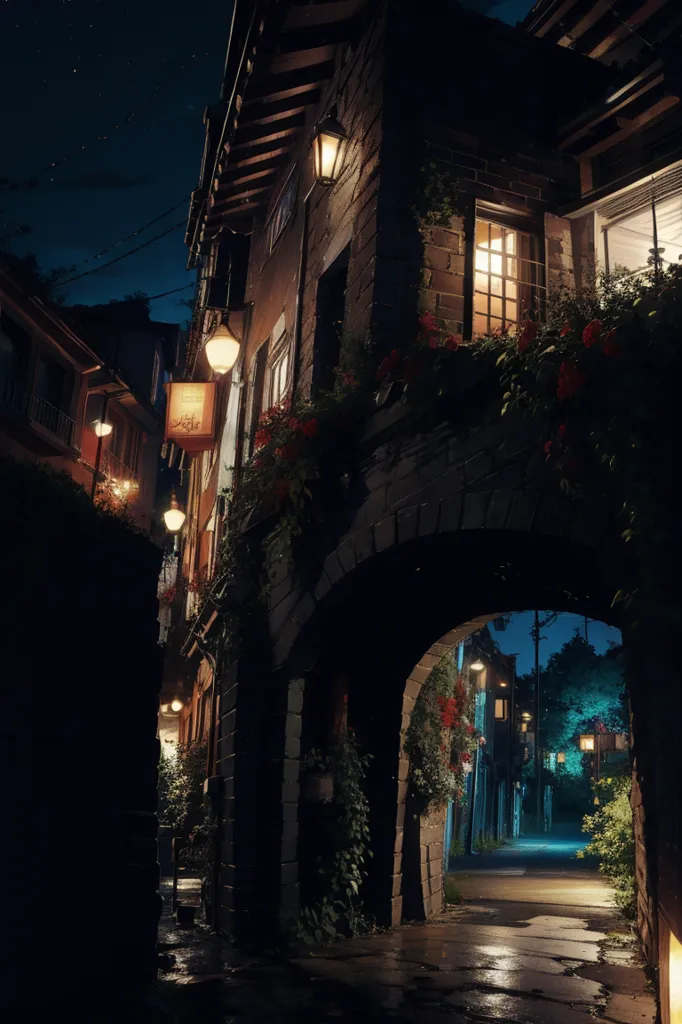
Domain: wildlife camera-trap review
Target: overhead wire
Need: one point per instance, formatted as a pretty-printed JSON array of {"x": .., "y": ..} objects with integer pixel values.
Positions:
[{"x": 124, "y": 255}]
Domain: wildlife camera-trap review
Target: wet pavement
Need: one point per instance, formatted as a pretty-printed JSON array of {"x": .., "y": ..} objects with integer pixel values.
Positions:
[{"x": 535, "y": 941}]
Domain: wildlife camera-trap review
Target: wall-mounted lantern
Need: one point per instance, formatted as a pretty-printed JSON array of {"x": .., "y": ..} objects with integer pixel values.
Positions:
[
  {"x": 222, "y": 350},
  {"x": 329, "y": 145},
  {"x": 477, "y": 666},
  {"x": 177, "y": 705},
  {"x": 587, "y": 743},
  {"x": 174, "y": 517}
]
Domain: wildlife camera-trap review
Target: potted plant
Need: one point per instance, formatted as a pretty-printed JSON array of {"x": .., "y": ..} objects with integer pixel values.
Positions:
[{"x": 317, "y": 778}]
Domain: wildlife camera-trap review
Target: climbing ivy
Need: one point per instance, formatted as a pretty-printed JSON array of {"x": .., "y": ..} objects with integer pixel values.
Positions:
[
  {"x": 340, "y": 912},
  {"x": 441, "y": 736}
]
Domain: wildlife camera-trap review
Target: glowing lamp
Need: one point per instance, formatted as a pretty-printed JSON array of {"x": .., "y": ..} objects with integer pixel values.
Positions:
[
  {"x": 675, "y": 979},
  {"x": 222, "y": 350},
  {"x": 164, "y": 709},
  {"x": 329, "y": 145},
  {"x": 526, "y": 716},
  {"x": 477, "y": 666},
  {"x": 174, "y": 517},
  {"x": 102, "y": 428},
  {"x": 587, "y": 742},
  {"x": 177, "y": 705}
]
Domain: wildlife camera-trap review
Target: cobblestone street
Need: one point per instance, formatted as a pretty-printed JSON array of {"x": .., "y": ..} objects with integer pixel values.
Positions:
[{"x": 504, "y": 955}]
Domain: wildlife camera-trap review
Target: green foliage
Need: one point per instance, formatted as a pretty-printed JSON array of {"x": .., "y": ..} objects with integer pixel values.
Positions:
[
  {"x": 441, "y": 736},
  {"x": 613, "y": 840},
  {"x": 484, "y": 844},
  {"x": 181, "y": 779},
  {"x": 438, "y": 197},
  {"x": 580, "y": 688},
  {"x": 453, "y": 896},
  {"x": 456, "y": 848},
  {"x": 340, "y": 912},
  {"x": 603, "y": 373}
]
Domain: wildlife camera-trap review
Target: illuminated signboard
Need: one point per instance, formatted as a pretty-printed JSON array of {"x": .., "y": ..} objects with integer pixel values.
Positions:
[{"x": 190, "y": 416}]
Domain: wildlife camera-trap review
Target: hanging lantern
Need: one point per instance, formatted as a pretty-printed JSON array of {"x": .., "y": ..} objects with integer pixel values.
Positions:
[
  {"x": 102, "y": 428},
  {"x": 177, "y": 705},
  {"x": 329, "y": 145},
  {"x": 222, "y": 350},
  {"x": 174, "y": 517}
]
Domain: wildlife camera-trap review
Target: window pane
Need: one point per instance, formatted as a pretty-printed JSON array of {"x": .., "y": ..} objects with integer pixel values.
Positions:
[
  {"x": 510, "y": 241},
  {"x": 480, "y": 324},
  {"x": 496, "y": 264},
  {"x": 482, "y": 260},
  {"x": 495, "y": 306},
  {"x": 496, "y": 285},
  {"x": 481, "y": 303},
  {"x": 496, "y": 237},
  {"x": 481, "y": 282},
  {"x": 512, "y": 311},
  {"x": 482, "y": 227},
  {"x": 512, "y": 268},
  {"x": 510, "y": 289}
]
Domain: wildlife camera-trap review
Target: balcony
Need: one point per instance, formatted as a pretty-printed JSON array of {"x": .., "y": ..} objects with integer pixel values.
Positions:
[{"x": 26, "y": 407}]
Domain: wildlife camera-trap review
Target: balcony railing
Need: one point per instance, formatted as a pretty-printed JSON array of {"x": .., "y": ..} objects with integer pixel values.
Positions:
[
  {"x": 32, "y": 407},
  {"x": 115, "y": 469}
]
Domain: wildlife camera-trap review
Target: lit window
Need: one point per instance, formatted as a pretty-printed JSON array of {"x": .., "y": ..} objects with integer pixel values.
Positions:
[
  {"x": 501, "y": 709},
  {"x": 282, "y": 212},
  {"x": 278, "y": 365},
  {"x": 629, "y": 242},
  {"x": 505, "y": 277}
]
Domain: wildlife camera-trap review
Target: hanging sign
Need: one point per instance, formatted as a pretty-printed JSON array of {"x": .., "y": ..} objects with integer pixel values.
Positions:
[{"x": 190, "y": 416}]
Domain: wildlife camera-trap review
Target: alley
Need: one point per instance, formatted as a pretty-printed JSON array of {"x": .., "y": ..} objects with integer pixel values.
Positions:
[{"x": 534, "y": 942}]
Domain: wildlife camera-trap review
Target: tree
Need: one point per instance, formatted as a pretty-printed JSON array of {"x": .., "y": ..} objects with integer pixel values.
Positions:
[{"x": 29, "y": 274}]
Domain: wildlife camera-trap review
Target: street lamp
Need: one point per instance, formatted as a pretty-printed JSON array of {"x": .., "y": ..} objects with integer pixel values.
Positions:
[
  {"x": 177, "y": 705},
  {"x": 477, "y": 666},
  {"x": 329, "y": 145},
  {"x": 174, "y": 517},
  {"x": 101, "y": 428},
  {"x": 222, "y": 350}
]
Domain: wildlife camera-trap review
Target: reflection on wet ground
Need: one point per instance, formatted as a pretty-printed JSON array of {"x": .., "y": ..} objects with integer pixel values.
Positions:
[{"x": 545, "y": 952}]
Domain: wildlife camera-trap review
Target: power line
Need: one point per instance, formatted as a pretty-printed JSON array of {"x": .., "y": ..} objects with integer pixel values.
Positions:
[
  {"x": 124, "y": 255},
  {"x": 133, "y": 234}
]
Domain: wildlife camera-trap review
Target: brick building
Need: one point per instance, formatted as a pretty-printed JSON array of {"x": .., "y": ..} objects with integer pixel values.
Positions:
[{"x": 546, "y": 185}]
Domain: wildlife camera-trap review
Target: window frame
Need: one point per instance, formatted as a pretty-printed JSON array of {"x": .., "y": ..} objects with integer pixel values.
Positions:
[
  {"x": 532, "y": 227},
  {"x": 280, "y": 216}
]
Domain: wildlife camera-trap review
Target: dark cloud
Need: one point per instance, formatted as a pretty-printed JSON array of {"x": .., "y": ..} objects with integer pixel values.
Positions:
[{"x": 105, "y": 180}]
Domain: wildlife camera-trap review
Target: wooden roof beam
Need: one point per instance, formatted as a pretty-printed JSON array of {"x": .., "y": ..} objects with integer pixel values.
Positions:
[
  {"x": 249, "y": 133},
  {"x": 266, "y": 86},
  {"x": 625, "y": 29},
  {"x": 628, "y": 126},
  {"x": 588, "y": 127}
]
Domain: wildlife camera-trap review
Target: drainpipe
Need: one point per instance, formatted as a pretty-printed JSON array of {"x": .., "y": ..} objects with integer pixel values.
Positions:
[
  {"x": 211, "y": 789},
  {"x": 98, "y": 459}
]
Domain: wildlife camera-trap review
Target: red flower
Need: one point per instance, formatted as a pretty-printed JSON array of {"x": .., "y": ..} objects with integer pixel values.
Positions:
[
  {"x": 348, "y": 379},
  {"x": 471, "y": 729},
  {"x": 528, "y": 334},
  {"x": 428, "y": 324},
  {"x": 310, "y": 428},
  {"x": 566, "y": 329},
  {"x": 281, "y": 488},
  {"x": 388, "y": 364},
  {"x": 562, "y": 430},
  {"x": 571, "y": 379},
  {"x": 452, "y": 341},
  {"x": 288, "y": 452},
  {"x": 263, "y": 437},
  {"x": 548, "y": 447},
  {"x": 592, "y": 333},
  {"x": 466, "y": 757},
  {"x": 610, "y": 347}
]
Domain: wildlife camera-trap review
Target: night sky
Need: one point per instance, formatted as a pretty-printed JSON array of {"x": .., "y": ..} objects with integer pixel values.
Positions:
[
  {"x": 516, "y": 639},
  {"x": 71, "y": 71}
]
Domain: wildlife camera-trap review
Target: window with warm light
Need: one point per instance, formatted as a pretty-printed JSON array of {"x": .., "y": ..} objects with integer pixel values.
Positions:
[
  {"x": 506, "y": 277},
  {"x": 282, "y": 211},
  {"x": 278, "y": 365},
  {"x": 501, "y": 710},
  {"x": 675, "y": 980},
  {"x": 629, "y": 240}
]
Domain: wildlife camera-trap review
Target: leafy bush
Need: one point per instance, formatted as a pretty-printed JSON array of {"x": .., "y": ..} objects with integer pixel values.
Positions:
[
  {"x": 452, "y": 894},
  {"x": 613, "y": 840},
  {"x": 181, "y": 778}
]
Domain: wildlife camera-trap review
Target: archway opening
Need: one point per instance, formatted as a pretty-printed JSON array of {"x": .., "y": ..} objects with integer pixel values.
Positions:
[{"x": 372, "y": 645}]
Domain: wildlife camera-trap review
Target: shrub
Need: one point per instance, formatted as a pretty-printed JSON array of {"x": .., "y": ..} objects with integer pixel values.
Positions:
[{"x": 613, "y": 840}]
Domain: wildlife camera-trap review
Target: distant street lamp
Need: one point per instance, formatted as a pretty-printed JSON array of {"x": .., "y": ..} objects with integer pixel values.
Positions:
[
  {"x": 222, "y": 350},
  {"x": 329, "y": 145},
  {"x": 477, "y": 666},
  {"x": 174, "y": 517}
]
